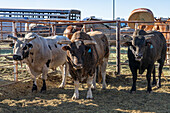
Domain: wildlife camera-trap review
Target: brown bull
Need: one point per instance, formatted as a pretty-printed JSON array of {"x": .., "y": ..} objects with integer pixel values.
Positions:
[
  {"x": 84, "y": 53},
  {"x": 68, "y": 32}
]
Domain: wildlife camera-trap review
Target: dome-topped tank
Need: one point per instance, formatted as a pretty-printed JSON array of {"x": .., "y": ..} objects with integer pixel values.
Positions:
[{"x": 142, "y": 15}]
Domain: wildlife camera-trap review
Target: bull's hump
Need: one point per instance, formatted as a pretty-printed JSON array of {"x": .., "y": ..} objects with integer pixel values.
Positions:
[
  {"x": 92, "y": 33},
  {"x": 80, "y": 36}
]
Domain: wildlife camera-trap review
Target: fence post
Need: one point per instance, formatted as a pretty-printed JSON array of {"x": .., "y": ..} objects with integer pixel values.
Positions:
[
  {"x": 1, "y": 31},
  {"x": 117, "y": 47},
  {"x": 53, "y": 30},
  {"x": 14, "y": 33},
  {"x": 84, "y": 27}
]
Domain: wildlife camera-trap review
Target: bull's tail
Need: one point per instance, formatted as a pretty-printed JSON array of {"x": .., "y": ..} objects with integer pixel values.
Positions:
[
  {"x": 107, "y": 52},
  {"x": 106, "y": 45},
  {"x": 98, "y": 74}
]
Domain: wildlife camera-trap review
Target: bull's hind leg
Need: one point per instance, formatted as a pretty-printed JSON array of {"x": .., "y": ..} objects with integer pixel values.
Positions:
[
  {"x": 160, "y": 66},
  {"x": 64, "y": 70},
  {"x": 103, "y": 72},
  {"x": 148, "y": 76},
  {"x": 89, "y": 84},
  {"x": 154, "y": 78},
  {"x": 76, "y": 91},
  {"x": 95, "y": 76},
  {"x": 34, "y": 87}
]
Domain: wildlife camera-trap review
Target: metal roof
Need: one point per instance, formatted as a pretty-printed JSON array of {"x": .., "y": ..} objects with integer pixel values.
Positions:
[{"x": 37, "y": 10}]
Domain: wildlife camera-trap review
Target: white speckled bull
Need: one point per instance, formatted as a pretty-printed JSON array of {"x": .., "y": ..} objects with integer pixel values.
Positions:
[{"x": 41, "y": 54}]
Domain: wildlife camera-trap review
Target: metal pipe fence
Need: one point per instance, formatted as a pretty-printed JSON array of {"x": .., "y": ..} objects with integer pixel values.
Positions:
[{"x": 21, "y": 28}]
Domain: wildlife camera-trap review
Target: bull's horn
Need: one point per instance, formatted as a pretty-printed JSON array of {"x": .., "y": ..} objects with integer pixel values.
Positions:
[
  {"x": 64, "y": 42},
  {"x": 126, "y": 38},
  {"x": 150, "y": 35},
  {"x": 30, "y": 36},
  {"x": 87, "y": 42},
  {"x": 14, "y": 38},
  {"x": 29, "y": 39}
]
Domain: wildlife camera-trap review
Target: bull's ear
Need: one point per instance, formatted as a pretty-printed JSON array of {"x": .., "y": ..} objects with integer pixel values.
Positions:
[
  {"x": 12, "y": 37},
  {"x": 65, "y": 48},
  {"x": 11, "y": 45},
  {"x": 127, "y": 44},
  {"x": 89, "y": 42}
]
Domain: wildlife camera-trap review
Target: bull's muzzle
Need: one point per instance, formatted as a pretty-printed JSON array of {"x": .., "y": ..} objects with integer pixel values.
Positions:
[
  {"x": 17, "y": 57},
  {"x": 138, "y": 57}
]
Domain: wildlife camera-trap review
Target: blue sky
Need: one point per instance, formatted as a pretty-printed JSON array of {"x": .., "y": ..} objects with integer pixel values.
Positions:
[{"x": 99, "y": 8}]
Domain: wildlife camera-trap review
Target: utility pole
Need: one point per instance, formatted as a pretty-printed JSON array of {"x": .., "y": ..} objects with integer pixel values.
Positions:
[{"x": 113, "y": 9}]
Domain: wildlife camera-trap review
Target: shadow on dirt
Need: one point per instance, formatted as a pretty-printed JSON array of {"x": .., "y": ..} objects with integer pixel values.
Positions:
[{"x": 116, "y": 98}]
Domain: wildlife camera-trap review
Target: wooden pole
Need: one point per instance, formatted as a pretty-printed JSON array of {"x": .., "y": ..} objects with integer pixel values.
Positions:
[
  {"x": 14, "y": 32},
  {"x": 117, "y": 47}
]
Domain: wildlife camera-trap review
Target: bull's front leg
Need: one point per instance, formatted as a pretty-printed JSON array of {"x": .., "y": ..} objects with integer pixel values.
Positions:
[
  {"x": 160, "y": 66},
  {"x": 76, "y": 92},
  {"x": 64, "y": 70},
  {"x": 134, "y": 74},
  {"x": 89, "y": 84},
  {"x": 44, "y": 77},
  {"x": 34, "y": 87},
  {"x": 148, "y": 76}
]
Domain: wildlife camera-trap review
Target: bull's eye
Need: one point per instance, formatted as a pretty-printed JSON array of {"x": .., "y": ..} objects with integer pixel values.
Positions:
[
  {"x": 25, "y": 48},
  {"x": 72, "y": 53}
]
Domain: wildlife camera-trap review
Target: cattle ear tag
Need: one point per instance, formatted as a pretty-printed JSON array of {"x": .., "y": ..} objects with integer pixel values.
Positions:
[
  {"x": 89, "y": 51},
  {"x": 151, "y": 46}
]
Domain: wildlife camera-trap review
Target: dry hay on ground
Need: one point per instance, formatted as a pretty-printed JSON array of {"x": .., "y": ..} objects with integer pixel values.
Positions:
[{"x": 116, "y": 98}]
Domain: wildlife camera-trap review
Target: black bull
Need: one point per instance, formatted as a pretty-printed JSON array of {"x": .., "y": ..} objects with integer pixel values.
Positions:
[{"x": 144, "y": 50}]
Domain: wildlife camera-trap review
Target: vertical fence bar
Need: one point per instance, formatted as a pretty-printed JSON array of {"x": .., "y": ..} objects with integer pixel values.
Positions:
[
  {"x": 27, "y": 27},
  {"x": 118, "y": 47},
  {"x": 84, "y": 27},
  {"x": 14, "y": 32},
  {"x": 53, "y": 29},
  {"x": 136, "y": 26},
  {"x": 1, "y": 31}
]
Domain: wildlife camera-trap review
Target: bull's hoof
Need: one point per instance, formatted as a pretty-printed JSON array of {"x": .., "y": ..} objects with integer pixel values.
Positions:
[
  {"x": 149, "y": 90},
  {"x": 154, "y": 83},
  {"x": 89, "y": 97},
  {"x": 61, "y": 86},
  {"x": 93, "y": 86},
  {"x": 132, "y": 92},
  {"x": 34, "y": 88},
  {"x": 103, "y": 87},
  {"x": 158, "y": 85},
  {"x": 43, "y": 89},
  {"x": 133, "y": 89},
  {"x": 75, "y": 97}
]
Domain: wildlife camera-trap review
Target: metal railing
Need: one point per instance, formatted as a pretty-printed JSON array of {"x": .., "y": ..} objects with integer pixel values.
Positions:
[{"x": 53, "y": 24}]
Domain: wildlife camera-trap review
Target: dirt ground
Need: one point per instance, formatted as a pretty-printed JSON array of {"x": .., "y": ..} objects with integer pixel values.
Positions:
[{"x": 18, "y": 98}]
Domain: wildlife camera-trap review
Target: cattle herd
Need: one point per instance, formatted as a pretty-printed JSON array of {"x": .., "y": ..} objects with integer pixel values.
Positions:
[{"x": 85, "y": 56}]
